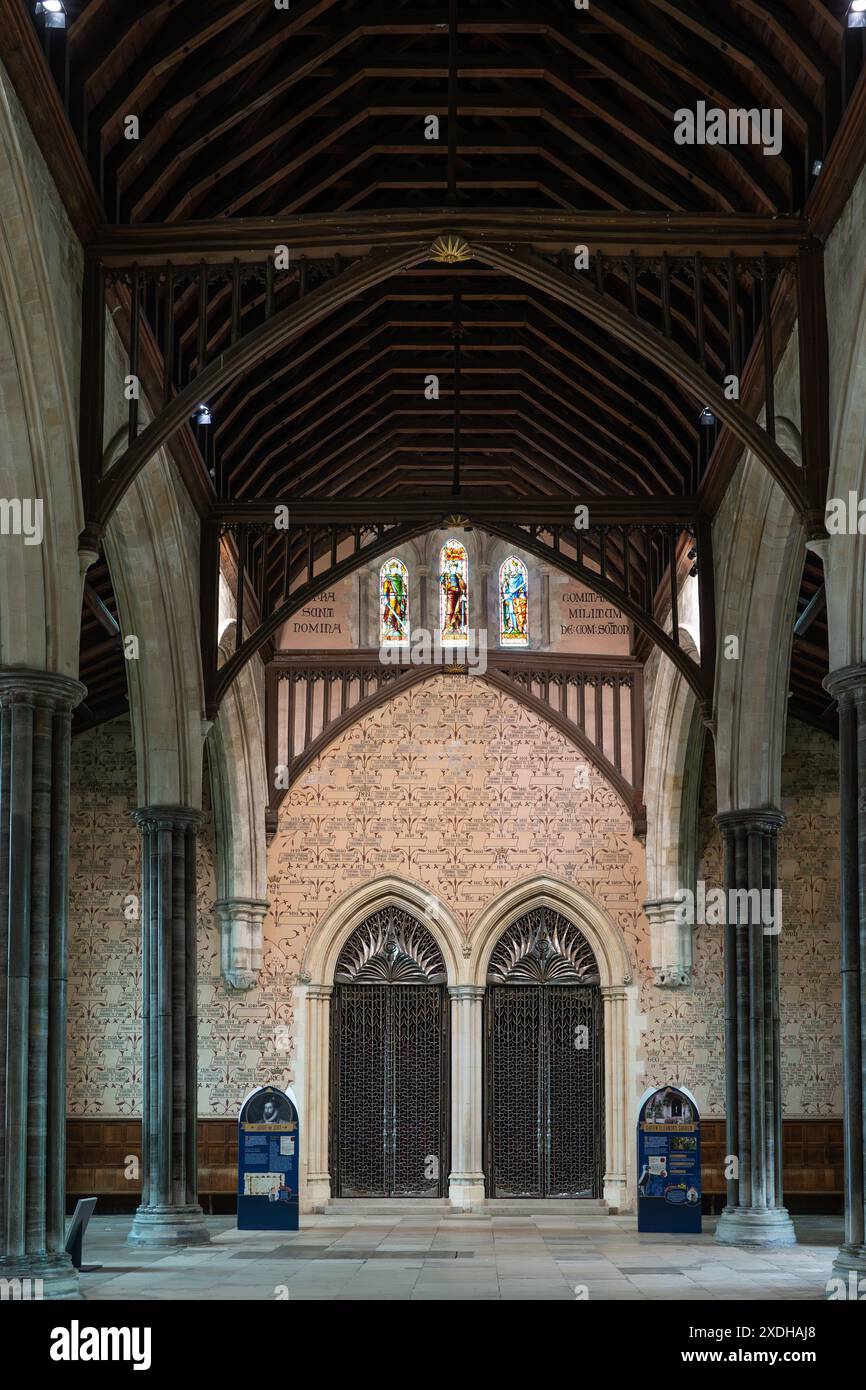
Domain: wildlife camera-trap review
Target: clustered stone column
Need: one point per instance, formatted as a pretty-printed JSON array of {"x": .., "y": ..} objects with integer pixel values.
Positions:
[
  {"x": 35, "y": 728},
  {"x": 466, "y": 1180},
  {"x": 848, "y": 687},
  {"x": 754, "y": 1214},
  {"x": 169, "y": 1213}
]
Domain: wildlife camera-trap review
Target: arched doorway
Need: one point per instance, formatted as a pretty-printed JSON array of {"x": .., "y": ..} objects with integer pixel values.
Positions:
[
  {"x": 389, "y": 1061},
  {"x": 544, "y": 1054}
]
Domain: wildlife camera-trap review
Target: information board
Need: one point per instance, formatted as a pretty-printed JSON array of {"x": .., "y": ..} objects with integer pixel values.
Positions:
[
  {"x": 268, "y": 1162},
  {"x": 669, "y": 1162}
]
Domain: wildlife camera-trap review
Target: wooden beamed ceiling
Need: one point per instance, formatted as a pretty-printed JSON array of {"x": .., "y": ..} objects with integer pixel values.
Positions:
[
  {"x": 548, "y": 404},
  {"x": 550, "y": 119},
  {"x": 249, "y": 110}
]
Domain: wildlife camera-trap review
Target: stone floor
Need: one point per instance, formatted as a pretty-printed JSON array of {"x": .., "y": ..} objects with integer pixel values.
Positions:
[{"x": 457, "y": 1256}]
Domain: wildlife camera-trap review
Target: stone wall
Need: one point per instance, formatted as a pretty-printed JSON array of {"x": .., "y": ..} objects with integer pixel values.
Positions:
[
  {"x": 459, "y": 788},
  {"x": 692, "y": 1021}
]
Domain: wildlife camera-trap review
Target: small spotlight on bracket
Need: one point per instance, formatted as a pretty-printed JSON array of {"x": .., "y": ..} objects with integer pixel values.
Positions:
[
  {"x": 52, "y": 13},
  {"x": 857, "y": 15},
  {"x": 707, "y": 417},
  {"x": 817, "y": 166},
  {"x": 203, "y": 416}
]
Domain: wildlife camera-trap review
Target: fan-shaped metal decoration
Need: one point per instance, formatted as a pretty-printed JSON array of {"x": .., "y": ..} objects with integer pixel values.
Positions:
[
  {"x": 450, "y": 248},
  {"x": 391, "y": 947},
  {"x": 540, "y": 948}
]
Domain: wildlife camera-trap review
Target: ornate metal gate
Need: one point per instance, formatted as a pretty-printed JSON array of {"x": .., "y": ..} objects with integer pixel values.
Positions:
[
  {"x": 389, "y": 1062},
  {"x": 544, "y": 1062}
]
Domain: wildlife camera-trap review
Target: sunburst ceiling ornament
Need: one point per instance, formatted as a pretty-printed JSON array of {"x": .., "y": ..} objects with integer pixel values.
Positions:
[{"x": 450, "y": 248}]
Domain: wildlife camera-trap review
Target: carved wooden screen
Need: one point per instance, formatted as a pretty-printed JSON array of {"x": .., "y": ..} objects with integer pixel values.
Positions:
[
  {"x": 389, "y": 1062},
  {"x": 544, "y": 1062}
]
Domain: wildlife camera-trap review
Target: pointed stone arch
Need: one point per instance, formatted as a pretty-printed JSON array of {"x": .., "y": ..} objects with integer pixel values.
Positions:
[
  {"x": 313, "y": 1002},
  {"x": 618, "y": 994},
  {"x": 40, "y": 584},
  {"x": 676, "y": 735}
]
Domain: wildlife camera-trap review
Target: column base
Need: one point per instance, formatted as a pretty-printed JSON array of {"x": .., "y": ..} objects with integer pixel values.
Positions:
[
  {"x": 316, "y": 1192},
  {"x": 33, "y": 1279},
  {"x": 169, "y": 1226},
  {"x": 466, "y": 1189},
  {"x": 850, "y": 1266},
  {"x": 763, "y": 1226},
  {"x": 616, "y": 1193}
]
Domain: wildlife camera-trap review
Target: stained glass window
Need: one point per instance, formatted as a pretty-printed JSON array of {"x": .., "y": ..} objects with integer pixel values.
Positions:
[
  {"x": 454, "y": 593},
  {"x": 513, "y": 603},
  {"x": 393, "y": 602}
]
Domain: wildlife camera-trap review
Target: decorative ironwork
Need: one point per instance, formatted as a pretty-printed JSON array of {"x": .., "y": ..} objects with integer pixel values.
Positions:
[
  {"x": 389, "y": 1062},
  {"x": 391, "y": 947},
  {"x": 542, "y": 947},
  {"x": 544, "y": 1052}
]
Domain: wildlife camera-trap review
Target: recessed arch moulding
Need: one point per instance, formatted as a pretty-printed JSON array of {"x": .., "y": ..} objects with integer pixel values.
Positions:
[
  {"x": 466, "y": 961},
  {"x": 151, "y": 545},
  {"x": 844, "y": 556},
  {"x": 40, "y": 325},
  {"x": 152, "y": 549},
  {"x": 759, "y": 549}
]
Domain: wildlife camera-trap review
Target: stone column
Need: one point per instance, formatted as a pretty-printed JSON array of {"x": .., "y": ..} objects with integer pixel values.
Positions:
[
  {"x": 35, "y": 724},
  {"x": 617, "y": 1190},
  {"x": 241, "y": 926},
  {"x": 848, "y": 687},
  {"x": 318, "y": 1098},
  {"x": 466, "y": 1180},
  {"x": 169, "y": 1213},
  {"x": 754, "y": 1214}
]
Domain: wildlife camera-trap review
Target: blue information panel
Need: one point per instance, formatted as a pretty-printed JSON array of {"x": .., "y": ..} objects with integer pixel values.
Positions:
[
  {"x": 669, "y": 1162},
  {"x": 268, "y": 1142}
]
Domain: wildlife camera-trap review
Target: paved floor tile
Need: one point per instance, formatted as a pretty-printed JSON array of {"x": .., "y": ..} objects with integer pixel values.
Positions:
[{"x": 439, "y": 1257}]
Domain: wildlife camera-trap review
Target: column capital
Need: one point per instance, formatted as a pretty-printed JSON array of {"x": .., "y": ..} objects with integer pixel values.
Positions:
[
  {"x": 617, "y": 993},
  {"x": 765, "y": 820},
  {"x": 168, "y": 817},
  {"x": 849, "y": 682},
  {"x": 315, "y": 991},
  {"x": 470, "y": 992},
  {"x": 254, "y": 906},
  {"x": 20, "y": 685}
]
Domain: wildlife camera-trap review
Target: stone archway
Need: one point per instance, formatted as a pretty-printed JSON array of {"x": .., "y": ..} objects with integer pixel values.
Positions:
[
  {"x": 618, "y": 996},
  {"x": 313, "y": 1011}
]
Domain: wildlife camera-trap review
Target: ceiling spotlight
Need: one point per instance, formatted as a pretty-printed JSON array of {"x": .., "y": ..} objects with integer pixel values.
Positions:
[
  {"x": 857, "y": 15},
  {"x": 817, "y": 166},
  {"x": 203, "y": 416},
  {"x": 707, "y": 416},
  {"x": 53, "y": 13}
]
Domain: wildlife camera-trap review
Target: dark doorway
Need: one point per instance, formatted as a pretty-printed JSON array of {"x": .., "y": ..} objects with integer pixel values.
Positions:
[
  {"x": 544, "y": 1062},
  {"x": 389, "y": 1062}
]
